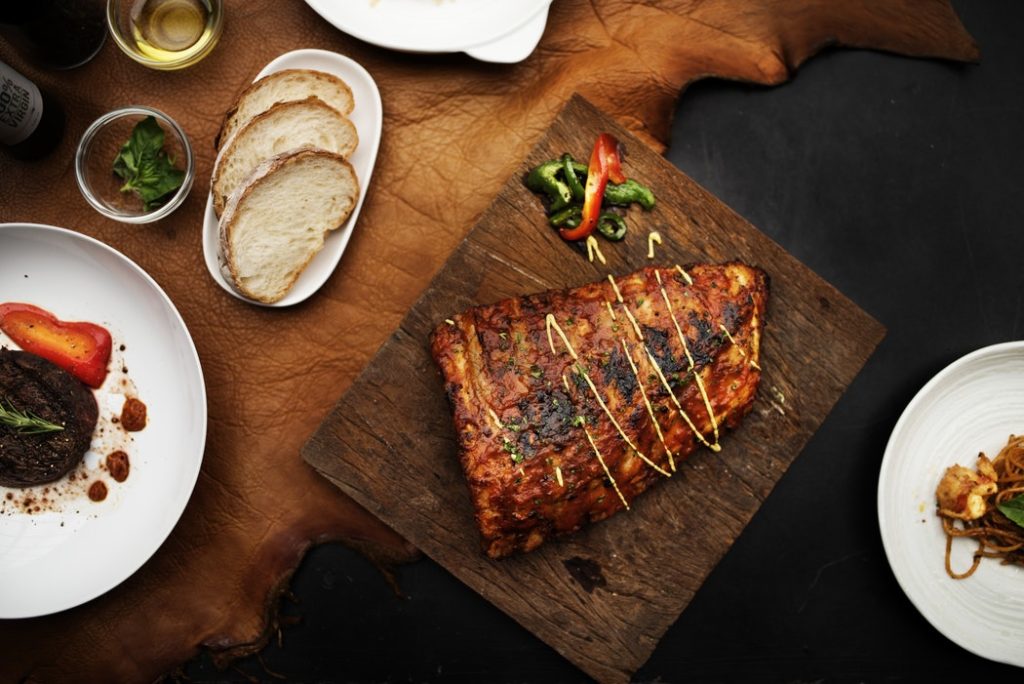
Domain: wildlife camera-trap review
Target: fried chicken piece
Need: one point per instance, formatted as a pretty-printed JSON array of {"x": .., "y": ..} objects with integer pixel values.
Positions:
[{"x": 963, "y": 493}]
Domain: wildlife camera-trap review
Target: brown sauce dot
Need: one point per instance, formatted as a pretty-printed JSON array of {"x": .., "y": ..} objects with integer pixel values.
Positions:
[
  {"x": 133, "y": 415},
  {"x": 117, "y": 464},
  {"x": 98, "y": 491}
]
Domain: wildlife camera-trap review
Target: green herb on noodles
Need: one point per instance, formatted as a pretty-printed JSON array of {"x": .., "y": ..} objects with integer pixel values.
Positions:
[
  {"x": 1013, "y": 509},
  {"x": 145, "y": 167},
  {"x": 25, "y": 422}
]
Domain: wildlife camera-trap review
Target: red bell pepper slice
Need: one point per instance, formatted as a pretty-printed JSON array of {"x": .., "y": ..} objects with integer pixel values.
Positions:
[
  {"x": 605, "y": 165},
  {"x": 82, "y": 349}
]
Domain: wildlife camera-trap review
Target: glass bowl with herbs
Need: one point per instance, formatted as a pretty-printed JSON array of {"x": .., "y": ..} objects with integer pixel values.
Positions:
[{"x": 135, "y": 165}]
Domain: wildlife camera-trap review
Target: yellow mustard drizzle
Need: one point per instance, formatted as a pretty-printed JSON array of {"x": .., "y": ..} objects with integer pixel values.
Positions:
[
  {"x": 593, "y": 250},
  {"x": 618, "y": 295},
  {"x": 605, "y": 466},
  {"x": 647, "y": 403},
  {"x": 449, "y": 321},
  {"x": 686, "y": 276},
  {"x": 625, "y": 437},
  {"x": 722, "y": 327},
  {"x": 558, "y": 476},
  {"x": 713, "y": 447},
  {"x": 652, "y": 237},
  {"x": 494, "y": 417},
  {"x": 689, "y": 358},
  {"x": 611, "y": 311},
  {"x": 679, "y": 407},
  {"x": 629, "y": 314},
  {"x": 754, "y": 364},
  {"x": 552, "y": 323}
]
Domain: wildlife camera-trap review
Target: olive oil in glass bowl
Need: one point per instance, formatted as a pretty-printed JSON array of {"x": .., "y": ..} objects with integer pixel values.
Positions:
[{"x": 166, "y": 34}]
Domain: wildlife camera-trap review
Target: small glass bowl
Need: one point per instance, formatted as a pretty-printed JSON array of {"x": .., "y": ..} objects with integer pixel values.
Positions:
[
  {"x": 94, "y": 164},
  {"x": 126, "y": 22}
]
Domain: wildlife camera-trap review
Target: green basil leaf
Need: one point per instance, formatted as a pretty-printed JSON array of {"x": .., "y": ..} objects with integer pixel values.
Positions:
[
  {"x": 145, "y": 167},
  {"x": 1013, "y": 509},
  {"x": 148, "y": 137}
]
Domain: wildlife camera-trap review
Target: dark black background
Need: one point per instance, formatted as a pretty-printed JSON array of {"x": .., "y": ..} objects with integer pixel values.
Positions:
[{"x": 897, "y": 180}]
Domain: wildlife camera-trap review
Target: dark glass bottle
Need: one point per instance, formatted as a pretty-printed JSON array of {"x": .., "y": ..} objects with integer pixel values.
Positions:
[
  {"x": 31, "y": 121},
  {"x": 54, "y": 34}
]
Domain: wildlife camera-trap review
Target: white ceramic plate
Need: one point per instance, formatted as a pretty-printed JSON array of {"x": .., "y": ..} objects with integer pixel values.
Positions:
[
  {"x": 973, "y": 405},
  {"x": 489, "y": 30},
  {"x": 368, "y": 117},
  {"x": 54, "y": 560}
]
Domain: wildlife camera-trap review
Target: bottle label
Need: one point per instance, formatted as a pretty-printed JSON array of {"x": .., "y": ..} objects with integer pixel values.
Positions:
[{"x": 21, "y": 106}]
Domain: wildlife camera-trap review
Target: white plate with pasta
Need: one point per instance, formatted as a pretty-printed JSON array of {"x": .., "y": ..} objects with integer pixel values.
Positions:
[{"x": 971, "y": 406}]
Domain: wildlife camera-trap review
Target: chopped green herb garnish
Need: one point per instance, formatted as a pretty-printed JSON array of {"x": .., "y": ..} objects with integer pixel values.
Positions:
[
  {"x": 579, "y": 421},
  {"x": 536, "y": 371},
  {"x": 510, "y": 447},
  {"x": 145, "y": 166}
]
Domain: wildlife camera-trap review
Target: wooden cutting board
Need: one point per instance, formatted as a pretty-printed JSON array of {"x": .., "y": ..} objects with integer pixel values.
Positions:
[{"x": 604, "y": 597}]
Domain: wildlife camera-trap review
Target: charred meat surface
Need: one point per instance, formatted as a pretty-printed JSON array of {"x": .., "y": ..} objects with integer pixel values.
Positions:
[
  {"x": 31, "y": 383},
  {"x": 570, "y": 403}
]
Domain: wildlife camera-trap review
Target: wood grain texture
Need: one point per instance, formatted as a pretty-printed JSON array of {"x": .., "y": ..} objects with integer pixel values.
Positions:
[{"x": 390, "y": 444}]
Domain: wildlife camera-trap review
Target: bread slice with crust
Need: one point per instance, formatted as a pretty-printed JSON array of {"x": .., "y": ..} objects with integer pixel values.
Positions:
[
  {"x": 286, "y": 126},
  {"x": 284, "y": 86},
  {"x": 277, "y": 221}
]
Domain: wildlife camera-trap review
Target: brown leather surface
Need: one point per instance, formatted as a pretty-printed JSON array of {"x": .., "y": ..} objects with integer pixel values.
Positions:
[{"x": 454, "y": 129}]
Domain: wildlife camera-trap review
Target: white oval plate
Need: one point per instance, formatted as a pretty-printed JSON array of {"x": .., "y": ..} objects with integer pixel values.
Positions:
[
  {"x": 368, "y": 118},
  {"x": 513, "y": 47},
  {"x": 440, "y": 25},
  {"x": 51, "y": 561},
  {"x": 973, "y": 405}
]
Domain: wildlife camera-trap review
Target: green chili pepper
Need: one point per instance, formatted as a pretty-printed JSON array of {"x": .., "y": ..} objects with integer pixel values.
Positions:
[
  {"x": 545, "y": 179},
  {"x": 611, "y": 225},
  {"x": 626, "y": 193},
  {"x": 571, "y": 179},
  {"x": 570, "y": 216},
  {"x": 562, "y": 181}
]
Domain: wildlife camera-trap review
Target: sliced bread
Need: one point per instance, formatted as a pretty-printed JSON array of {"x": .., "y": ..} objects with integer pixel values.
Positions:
[
  {"x": 277, "y": 221},
  {"x": 286, "y": 126},
  {"x": 284, "y": 86}
]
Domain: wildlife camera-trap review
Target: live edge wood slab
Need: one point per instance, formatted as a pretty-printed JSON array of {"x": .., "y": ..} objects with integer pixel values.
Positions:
[{"x": 604, "y": 597}]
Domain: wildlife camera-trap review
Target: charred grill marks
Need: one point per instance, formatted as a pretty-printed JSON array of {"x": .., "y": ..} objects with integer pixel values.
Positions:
[{"x": 569, "y": 440}]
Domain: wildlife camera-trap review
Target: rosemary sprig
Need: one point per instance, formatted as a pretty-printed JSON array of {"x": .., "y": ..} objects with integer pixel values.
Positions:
[{"x": 25, "y": 422}]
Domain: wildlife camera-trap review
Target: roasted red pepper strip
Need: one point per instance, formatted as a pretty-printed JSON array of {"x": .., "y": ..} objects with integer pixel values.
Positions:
[
  {"x": 82, "y": 349},
  {"x": 605, "y": 165}
]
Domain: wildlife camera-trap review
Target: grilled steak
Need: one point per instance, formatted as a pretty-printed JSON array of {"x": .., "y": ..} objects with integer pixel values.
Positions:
[
  {"x": 570, "y": 403},
  {"x": 30, "y": 383}
]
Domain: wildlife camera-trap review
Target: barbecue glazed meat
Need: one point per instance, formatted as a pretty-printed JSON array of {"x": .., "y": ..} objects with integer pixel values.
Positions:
[
  {"x": 552, "y": 440},
  {"x": 31, "y": 383}
]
